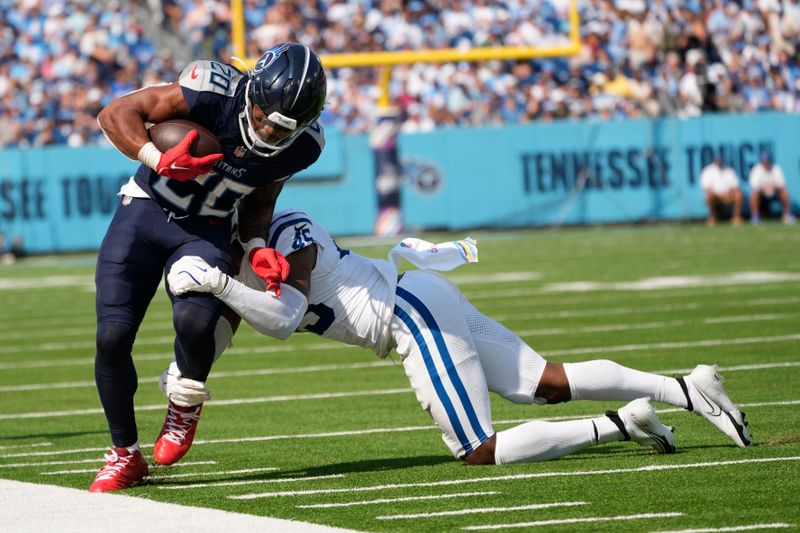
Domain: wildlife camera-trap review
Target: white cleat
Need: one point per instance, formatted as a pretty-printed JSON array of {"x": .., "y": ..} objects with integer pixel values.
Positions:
[
  {"x": 707, "y": 398},
  {"x": 641, "y": 425}
]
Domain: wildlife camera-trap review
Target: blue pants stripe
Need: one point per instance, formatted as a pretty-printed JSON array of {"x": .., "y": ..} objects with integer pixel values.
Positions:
[
  {"x": 452, "y": 373},
  {"x": 435, "y": 379}
]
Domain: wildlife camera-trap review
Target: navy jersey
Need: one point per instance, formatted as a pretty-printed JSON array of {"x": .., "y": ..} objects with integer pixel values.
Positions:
[{"x": 215, "y": 93}]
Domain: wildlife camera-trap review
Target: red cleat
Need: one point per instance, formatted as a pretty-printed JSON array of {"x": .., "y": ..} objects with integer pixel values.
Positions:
[
  {"x": 122, "y": 470},
  {"x": 177, "y": 433}
]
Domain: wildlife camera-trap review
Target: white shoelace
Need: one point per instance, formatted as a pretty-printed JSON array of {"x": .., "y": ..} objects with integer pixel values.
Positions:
[
  {"x": 178, "y": 424},
  {"x": 111, "y": 470}
]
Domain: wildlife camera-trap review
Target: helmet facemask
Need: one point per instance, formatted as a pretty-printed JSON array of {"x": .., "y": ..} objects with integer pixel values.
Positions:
[{"x": 264, "y": 135}]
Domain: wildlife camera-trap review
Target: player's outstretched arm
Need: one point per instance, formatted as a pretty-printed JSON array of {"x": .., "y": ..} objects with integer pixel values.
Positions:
[
  {"x": 267, "y": 313},
  {"x": 123, "y": 120}
]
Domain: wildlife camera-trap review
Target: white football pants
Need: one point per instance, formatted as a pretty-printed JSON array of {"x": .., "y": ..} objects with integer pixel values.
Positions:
[{"x": 454, "y": 355}]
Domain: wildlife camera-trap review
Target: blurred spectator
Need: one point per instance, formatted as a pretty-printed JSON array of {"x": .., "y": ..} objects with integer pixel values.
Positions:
[
  {"x": 639, "y": 58},
  {"x": 721, "y": 187},
  {"x": 767, "y": 184}
]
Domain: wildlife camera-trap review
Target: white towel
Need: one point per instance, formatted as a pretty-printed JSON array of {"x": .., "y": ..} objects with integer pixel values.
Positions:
[{"x": 443, "y": 256}]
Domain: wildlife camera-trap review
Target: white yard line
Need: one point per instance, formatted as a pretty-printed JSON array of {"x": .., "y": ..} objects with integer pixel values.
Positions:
[
  {"x": 605, "y": 328},
  {"x": 672, "y": 345},
  {"x": 395, "y": 500},
  {"x": 557, "y": 521},
  {"x": 216, "y": 473},
  {"x": 751, "y": 527},
  {"x": 33, "y": 445},
  {"x": 616, "y": 311},
  {"x": 22, "y": 331},
  {"x": 674, "y": 282},
  {"x": 247, "y": 482},
  {"x": 234, "y": 401},
  {"x": 480, "y": 510},
  {"x": 532, "y": 475},
  {"x": 321, "y": 345},
  {"x": 360, "y": 432},
  {"x": 214, "y": 375},
  {"x": 156, "y": 467},
  {"x": 37, "y": 508},
  {"x": 320, "y": 368}
]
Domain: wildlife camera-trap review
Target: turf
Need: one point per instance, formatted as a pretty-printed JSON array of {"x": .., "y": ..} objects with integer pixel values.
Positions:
[{"x": 365, "y": 438}]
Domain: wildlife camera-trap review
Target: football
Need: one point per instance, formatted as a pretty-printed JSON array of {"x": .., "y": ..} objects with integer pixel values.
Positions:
[{"x": 167, "y": 134}]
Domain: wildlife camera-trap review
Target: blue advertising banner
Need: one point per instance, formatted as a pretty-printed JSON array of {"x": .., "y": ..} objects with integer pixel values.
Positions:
[{"x": 62, "y": 199}]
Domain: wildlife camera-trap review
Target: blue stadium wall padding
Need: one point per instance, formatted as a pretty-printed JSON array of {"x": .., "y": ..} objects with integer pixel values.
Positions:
[{"x": 62, "y": 199}]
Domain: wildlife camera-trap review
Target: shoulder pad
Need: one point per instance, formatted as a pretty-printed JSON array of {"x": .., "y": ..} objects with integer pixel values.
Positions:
[{"x": 210, "y": 76}]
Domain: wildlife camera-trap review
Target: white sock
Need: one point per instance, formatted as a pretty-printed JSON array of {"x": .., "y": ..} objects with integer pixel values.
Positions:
[
  {"x": 607, "y": 380},
  {"x": 540, "y": 441},
  {"x": 134, "y": 447}
]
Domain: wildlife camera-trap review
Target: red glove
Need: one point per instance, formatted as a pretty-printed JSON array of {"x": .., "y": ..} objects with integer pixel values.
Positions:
[
  {"x": 270, "y": 265},
  {"x": 177, "y": 163}
]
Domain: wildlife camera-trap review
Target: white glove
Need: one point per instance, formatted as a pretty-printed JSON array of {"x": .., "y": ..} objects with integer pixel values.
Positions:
[{"x": 192, "y": 273}]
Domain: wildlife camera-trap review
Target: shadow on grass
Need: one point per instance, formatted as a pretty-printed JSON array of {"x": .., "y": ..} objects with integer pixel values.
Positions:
[
  {"x": 59, "y": 435},
  {"x": 377, "y": 465}
]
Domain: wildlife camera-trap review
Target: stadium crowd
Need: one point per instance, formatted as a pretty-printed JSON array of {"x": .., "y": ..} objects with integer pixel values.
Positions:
[{"x": 61, "y": 61}]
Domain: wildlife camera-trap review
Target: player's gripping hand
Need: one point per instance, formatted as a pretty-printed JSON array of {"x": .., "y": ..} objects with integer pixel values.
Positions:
[
  {"x": 192, "y": 273},
  {"x": 178, "y": 164},
  {"x": 270, "y": 265}
]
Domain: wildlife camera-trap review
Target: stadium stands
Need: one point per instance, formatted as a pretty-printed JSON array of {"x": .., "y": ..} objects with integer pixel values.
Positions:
[{"x": 62, "y": 60}]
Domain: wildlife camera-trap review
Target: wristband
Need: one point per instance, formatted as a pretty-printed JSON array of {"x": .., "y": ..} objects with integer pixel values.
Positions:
[
  {"x": 149, "y": 155},
  {"x": 250, "y": 245}
]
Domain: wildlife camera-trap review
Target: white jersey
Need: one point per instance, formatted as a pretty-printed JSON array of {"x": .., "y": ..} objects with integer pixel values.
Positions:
[
  {"x": 452, "y": 354},
  {"x": 718, "y": 180},
  {"x": 352, "y": 297},
  {"x": 767, "y": 181}
]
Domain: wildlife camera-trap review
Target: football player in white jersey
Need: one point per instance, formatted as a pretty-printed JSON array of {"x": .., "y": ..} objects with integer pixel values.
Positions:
[{"x": 453, "y": 355}]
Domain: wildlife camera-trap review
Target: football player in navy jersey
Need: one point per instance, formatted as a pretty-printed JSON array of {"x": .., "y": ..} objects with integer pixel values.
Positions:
[{"x": 176, "y": 205}]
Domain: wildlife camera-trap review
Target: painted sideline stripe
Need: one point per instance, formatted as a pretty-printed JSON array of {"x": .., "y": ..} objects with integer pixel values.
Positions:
[
  {"x": 394, "y": 500},
  {"x": 673, "y": 282},
  {"x": 235, "y": 401},
  {"x": 215, "y": 375},
  {"x": 353, "y": 433},
  {"x": 35, "y": 445},
  {"x": 609, "y": 311},
  {"x": 326, "y": 368},
  {"x": 38, "y": 507},
  {"x": 246, "y": 482},
  {"x": 152, "y": 467},
  {"x": 21, "y": 332},
  {"x": 776, "y": 525},
  {"x": 321, "y": 345},
  {"x": 605, "y": 328},
  {"x": 670, "y": 345},
  {"x": 525, "y": 296},
  {"x": 532, "y": 475},
  {"x": 481, "y": 510},
  {"x": 575, "y": 521}
]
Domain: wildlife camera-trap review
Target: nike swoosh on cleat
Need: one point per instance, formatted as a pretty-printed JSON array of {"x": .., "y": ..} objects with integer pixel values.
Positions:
[
  {"x": 739, "y": 430},
  {"x": 715, "y": 409},
  {"x": 660, "y": 441}
]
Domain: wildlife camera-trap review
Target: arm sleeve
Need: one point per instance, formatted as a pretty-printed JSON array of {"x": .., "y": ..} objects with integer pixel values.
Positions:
[{"x": 266, "y": 313}]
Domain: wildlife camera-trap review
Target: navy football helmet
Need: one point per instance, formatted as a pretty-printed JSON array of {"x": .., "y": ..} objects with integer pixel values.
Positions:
[{"x": 285, "y": 94}]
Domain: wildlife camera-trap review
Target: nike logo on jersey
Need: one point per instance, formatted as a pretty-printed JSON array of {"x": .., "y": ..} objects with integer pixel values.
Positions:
[{"x": 194, "y": 73}]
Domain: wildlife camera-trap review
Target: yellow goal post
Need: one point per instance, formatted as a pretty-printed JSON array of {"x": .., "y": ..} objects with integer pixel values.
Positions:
[{"x": 446, "y": 55}]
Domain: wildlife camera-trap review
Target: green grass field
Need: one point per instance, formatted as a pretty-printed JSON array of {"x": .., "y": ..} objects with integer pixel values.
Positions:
[{"x": 315, "y": 431}]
